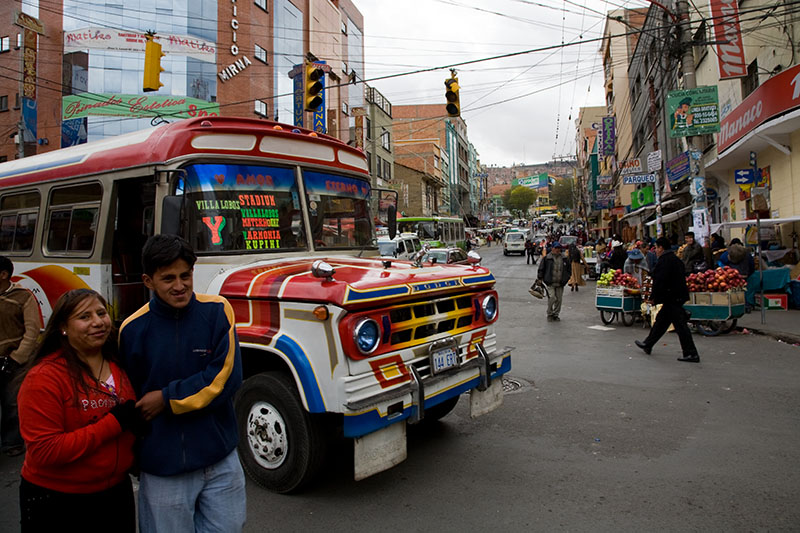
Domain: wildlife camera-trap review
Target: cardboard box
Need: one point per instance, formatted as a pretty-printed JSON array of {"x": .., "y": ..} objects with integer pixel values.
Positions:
[
  {"x": 720, "y": 298},
  {"x": 737, "y": 297},
  {"x": 701, "y": 298},
  {"x": 774, "y": 301}
]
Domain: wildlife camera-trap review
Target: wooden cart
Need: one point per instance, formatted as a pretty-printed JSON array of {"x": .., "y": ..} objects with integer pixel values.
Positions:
[
  {"x": 618, "y": 302},
  {"x": 713, "y": 313}
]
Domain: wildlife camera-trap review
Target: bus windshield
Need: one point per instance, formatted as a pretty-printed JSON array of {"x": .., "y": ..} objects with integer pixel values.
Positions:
[{"x": 244, "y": 208}]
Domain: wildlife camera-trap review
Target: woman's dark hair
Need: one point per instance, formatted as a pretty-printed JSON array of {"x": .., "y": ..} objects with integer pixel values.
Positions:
[
  {"x": 163, "y": 250},
  {"x": 53, "y": 340}
]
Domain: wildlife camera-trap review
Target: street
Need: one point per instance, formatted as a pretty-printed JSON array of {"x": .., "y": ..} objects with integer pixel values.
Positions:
[{"x": 594, "y": 436}]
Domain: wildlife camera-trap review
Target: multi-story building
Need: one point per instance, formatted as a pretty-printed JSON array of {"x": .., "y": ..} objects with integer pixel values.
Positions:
[
  {"x": 84, "y": 61},
  {"x": 378, "y": 133},
  {"x": 587, "y": 168},
  {"x": 415, "y": 123}
]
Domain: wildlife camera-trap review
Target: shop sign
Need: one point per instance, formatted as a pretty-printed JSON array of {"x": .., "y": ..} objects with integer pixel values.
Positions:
[
  {"x": 678, "y": 168},
  {"x": 30, "y": 42},
  {"x": 775, "y": 96},
  {"x": 728, "y": 35},
  {"x": 608, "y": 139},
  {"x": 764, "y": 178},
  {"x": 135, "y": 105},
  {"x": 240, "y": 63},
  {"x": 618, "y": 211},
  {"x": 641, "y": 178},
  {"x": 642, "y": 197},
  {"x": 94, "y": 38},
  {"x": 605, "y": 195},
  {"x": 28, "y": 22},
  {"x": 604, "y": 180},
  {"x": 693, "y": 111},
  {"x": 654, "y": 161},
  {"x": 630, "y": 166}
]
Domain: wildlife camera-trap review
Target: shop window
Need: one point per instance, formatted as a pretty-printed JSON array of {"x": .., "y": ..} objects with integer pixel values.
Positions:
[
  {"x": 5, "y": 43},
  {"x": 4, "y": 103},
  {"x": 750, "y": 82},
  {"x": 261, "y": 108}
]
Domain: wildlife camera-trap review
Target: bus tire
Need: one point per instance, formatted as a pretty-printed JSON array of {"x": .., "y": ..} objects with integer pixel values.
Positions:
[{"x": 281, "y": 445}]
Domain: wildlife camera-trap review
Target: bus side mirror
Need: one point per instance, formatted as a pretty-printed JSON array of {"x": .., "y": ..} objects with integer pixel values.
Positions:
[
  {"x": 392, "y": 211},
  {"x": 171, "y": 215}
]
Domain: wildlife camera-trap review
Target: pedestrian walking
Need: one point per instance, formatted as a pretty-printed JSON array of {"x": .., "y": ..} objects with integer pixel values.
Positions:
[
  {"x": 554, "y": 271},
  {"x": 530, "y": 249},
  {"x": 77, "y": 415},
  {"x": 19, "y": 330},
  {"x": 670, "y": 290},
  {"x": 182, "y": 355},
  {"x": 577, "y": 267}
]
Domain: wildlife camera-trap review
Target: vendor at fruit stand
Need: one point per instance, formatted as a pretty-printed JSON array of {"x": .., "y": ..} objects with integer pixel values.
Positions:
[
  {"x": 692, "y": 254},
  {"x": 635, "y": 265},
  {"x": 737, "y": 256}
]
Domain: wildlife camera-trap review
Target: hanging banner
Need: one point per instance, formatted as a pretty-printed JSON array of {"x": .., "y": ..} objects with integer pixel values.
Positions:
[
  {"x": 135, "y": 105},
  {"x": 728, "y": 35},
  {"x": 693, "y": 111},
  {"x": 642, "y": 197},
  {"x": 678, "y": 168},
  {"x": 128, "y": 41},
  {"x": 609, "y": 136}
]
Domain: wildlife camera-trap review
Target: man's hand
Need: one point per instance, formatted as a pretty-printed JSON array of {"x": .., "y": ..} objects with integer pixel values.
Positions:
[{"x": 151, "y": 405}]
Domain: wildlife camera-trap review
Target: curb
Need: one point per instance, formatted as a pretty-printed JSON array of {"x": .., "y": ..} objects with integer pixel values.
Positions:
[{"x": 777, "y": 335}]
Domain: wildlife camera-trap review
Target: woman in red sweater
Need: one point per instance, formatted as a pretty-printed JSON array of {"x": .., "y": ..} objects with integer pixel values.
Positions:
[{"x": 76, "y": 411}]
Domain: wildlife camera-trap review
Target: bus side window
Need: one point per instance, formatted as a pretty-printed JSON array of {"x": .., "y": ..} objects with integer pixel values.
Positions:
[
  {"x": 18, "y": 216},
  {"x": 72, "y": 221}
]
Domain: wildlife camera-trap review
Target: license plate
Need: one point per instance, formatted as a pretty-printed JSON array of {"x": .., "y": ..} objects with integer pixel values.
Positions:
[{"x": 444, "y": 359}]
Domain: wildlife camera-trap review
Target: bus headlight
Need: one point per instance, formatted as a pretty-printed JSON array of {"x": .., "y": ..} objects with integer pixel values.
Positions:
[
  {"x": 367, "y": 334},
  {"x": 489, "y": 307}
]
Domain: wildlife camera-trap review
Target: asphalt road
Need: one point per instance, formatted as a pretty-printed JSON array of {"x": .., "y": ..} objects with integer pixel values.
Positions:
[{"x": 597, "y": 436}]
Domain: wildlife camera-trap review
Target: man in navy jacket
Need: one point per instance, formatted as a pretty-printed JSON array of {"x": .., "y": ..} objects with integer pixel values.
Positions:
[{"x": 182, "y": 355}]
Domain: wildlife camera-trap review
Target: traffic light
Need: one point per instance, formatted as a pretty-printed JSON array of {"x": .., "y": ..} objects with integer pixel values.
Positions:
[
  {"x": 753, "y": 161},
  {"x": 451, "y": 95},
  {"x": 152, "y": 65},
  {"x": 313, "y": 87}
]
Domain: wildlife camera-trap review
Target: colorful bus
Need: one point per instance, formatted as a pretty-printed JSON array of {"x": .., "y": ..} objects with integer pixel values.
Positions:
[
  {"x": 435, "y": 231},
  {"x": 334, "y": 341}
]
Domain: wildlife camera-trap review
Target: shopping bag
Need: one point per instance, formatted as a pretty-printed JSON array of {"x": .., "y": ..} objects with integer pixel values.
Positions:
[{"x": 538, "y": 289}]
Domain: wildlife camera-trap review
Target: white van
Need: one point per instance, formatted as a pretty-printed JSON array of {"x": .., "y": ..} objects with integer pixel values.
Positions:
[
  {"x": 514, "y": 242},
  {"x": 403, "y": 246}
]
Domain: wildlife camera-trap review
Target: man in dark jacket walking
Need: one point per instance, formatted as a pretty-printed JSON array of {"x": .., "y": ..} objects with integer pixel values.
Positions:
[
  {"x": 555, "y": 271},
  {"x": 670, "y": 290}
]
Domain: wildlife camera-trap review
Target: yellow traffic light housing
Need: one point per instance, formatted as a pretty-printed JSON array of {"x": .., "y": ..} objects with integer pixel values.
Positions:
[
  {"x": 451, "y": 95},
  {"x": 313, "y": 87},
  {"x": 152, "y": 65}
]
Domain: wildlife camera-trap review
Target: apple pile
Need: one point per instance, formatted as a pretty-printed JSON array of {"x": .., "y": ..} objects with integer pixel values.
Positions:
[
  {"x": 618, "y": 278},
  {"x": 720, "y": 280}
]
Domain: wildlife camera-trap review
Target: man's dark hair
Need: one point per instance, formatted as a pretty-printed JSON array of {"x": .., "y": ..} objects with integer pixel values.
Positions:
[
  {"x": 163, "y": 250},
  {"x": 689, "y": 234},
  {"x": 6, "y": 265},
  {"x": 664, "y": 243}
]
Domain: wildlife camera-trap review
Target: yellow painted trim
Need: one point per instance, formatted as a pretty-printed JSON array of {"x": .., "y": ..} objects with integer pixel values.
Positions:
[{"x": 143, "y": 310}]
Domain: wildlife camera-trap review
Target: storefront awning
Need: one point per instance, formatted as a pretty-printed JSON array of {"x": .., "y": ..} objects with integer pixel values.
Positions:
[
  {"x": 752, "y": 222},
  {"x": 639, "y": 211},
  {"x": 675, "y": 215}
]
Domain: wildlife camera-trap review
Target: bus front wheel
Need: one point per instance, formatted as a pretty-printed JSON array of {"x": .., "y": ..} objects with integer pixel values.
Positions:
[{"x": 281, "y": 445}]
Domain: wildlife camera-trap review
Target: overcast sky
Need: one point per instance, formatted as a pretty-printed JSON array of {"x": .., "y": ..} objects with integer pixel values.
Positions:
[{"x": 519, "y": 109}]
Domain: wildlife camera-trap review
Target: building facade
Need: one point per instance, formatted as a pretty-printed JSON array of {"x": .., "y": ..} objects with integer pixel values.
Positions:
[{"x": 79, "y": 65}]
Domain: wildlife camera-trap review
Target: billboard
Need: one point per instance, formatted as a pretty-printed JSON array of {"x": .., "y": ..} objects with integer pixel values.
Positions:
[
  {"x": 728, "y": 35},
  {"x": 135, "y": 105},
  {"x": 693, "y": 111},
  {"x": 132, "y": 41}
]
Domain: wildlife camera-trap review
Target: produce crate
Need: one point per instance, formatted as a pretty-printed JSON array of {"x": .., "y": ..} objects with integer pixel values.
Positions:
[
  {"x": 616, "y": 300},
  {"x": 717, "y": 298},
  {"x": 774, "y": 301},
  {"x": 614, "y": 290}
]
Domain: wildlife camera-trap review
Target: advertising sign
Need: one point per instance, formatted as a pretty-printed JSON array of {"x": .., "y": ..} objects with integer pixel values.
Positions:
[
  {"x": 764, "y": 178},
  {"x": 609, "y": 136},
  {"x": 73, "y": 132},
  {"x": 775, "y": 96},
  {"x": 641, "y": 178},
  {"x": 693, "y": 111},
  {"x": 605, "y": 195},
  {"x": 297, "y": 95},
  {"x": 30, "y": 119},
  {"x": 131, "y": 41},
  {"x": 728, "y": 35},
  {"x": 642, "y": 197},
  {"x": 654, "y": 161},
  {"x": 31, "y": 23},
  {"x": 319, "y": 120},
  {"x": 630, "y": 166},
  {"x": 135, "y": 105},
  {"x": 678, "y": 168},
  {"x": 604, "y": 180},
  {"x": 30, "y": 42}
]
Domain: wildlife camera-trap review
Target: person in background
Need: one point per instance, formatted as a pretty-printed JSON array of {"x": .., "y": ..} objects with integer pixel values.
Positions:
[
  {"x": 635, "y": 265},
  {"x": 19, "y": 328},
  {"x": 577, "y": 267},
  {"x": 717, "y": 242},
  {"x": 737, "y": 256},
  {"x": 554, "y": 271},
  {"x": 670, "y": 290},
  {"x": 77, "y": 412},
  {"x": 693, "y": 254},
  {"x": 530, "y": 248},
  {"x": 191, "y": 478},
  {"x": 618, "y": 255}
]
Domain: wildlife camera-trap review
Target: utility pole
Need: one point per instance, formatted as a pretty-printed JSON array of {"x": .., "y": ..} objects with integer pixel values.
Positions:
[{"x": 690, "y": 82}]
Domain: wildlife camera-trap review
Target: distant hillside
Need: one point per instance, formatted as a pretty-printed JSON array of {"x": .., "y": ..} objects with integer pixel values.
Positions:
[{"x": 504, "y": 175}]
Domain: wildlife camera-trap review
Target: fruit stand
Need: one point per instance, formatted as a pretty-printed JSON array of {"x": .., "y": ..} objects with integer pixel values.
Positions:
[
  {"x": 716, "y": 300},
  {"x": 618, "y": 296}
]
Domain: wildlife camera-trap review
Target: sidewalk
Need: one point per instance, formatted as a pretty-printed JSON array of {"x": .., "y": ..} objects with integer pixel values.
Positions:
[{"x": 782, "y": 325}]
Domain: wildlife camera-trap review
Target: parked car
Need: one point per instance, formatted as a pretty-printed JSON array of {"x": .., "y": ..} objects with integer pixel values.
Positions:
[
  {"x": 566, "y": 240},
  {"x": 447, "y": 256},
  {"x": 403, "y": 246}
]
